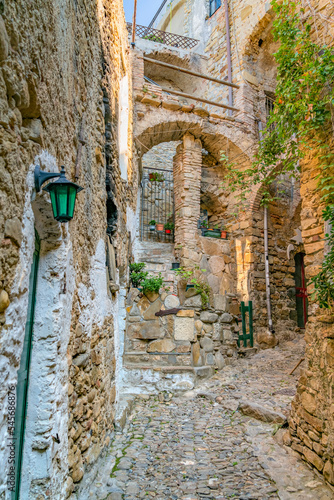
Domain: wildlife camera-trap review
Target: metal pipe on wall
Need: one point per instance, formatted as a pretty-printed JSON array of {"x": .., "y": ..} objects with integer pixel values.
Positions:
[
  {"x": 134, "y": 25},
  {"x": 229, "y": 59},
  {"x": 266, "y": 267},
  {"x": 266, "y": 253}
]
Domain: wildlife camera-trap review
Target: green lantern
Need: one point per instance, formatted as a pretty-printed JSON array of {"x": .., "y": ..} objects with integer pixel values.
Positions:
[{"x": 62, "y": 193}]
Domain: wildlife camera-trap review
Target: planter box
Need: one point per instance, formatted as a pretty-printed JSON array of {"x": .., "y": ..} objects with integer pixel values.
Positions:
[{"x": 211, "y": 234}]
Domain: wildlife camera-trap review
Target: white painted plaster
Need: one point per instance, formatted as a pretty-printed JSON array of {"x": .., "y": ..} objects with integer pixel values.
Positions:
[
  {"x": 123, "y": 126},
  {"x": 47, "y": 396}
]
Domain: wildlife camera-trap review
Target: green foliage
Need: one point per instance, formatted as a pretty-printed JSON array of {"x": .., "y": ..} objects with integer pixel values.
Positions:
[
  {"x": 192, "y": 276},
  {"x": 169, "y": 225},
  {"x": 324, "y": 280},
  {"x": 157, "y": 177},
  {"x": 138, "y": 278},
  {"x": 152, "y": 223},
  {"x": 302, "y": 122},
  {"x": 152, "y": 283},
  {"x": 137, "y": 267}
]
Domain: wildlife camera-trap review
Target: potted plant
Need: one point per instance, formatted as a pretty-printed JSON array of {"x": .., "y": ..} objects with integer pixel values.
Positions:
[
  {"x": 156, "y": 177},
  {"x": 169, "y": 226},
  {"x": 223, "y": 233},
  {"x": 159, "y": 227},
  {"x": 152, "y": 224},
  {"x": 137, "y": 275},
  {"x": 212, "y": 232},
  {"x": 152, "y": 284}
]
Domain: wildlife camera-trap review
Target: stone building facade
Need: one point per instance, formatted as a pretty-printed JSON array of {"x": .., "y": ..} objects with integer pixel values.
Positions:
[
  {"x": 76, "y": 94},
  {"x": 65, "y": 96}
]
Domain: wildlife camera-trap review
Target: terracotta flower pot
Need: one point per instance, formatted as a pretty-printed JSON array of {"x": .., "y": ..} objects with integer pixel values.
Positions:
[
  {"x": 223, "y": 234},
  {"x": 159, "y": 227}
]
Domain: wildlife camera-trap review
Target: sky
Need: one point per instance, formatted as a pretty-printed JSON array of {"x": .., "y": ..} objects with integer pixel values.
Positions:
[{"x": 145, "y": 10}]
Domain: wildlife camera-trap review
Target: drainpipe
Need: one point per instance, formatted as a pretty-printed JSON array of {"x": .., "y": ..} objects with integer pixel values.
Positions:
[
  {"x": 229, "y": 60},
  {"x": 266, "y": 254},
  {"x": 266, "y": 267},
  {"x": 133, "y": 43}
]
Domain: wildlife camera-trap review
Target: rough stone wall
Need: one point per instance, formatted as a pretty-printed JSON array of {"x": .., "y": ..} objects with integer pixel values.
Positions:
[
  {"x": 59, "y": 78},
  {"x": 187, "y": 179},
  {"x": 311, "y": 423}
]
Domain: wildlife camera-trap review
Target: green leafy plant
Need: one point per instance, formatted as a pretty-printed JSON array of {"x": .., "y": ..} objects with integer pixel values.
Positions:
[
  {"x": 205, "y": 223},
  {"x": 169, "y": 225},
  {"x": 136, "y": 267},
  {"x": 193, "y": 276},
  {"x": 138, "y": 278},
  {"x": 152, "y": 283},
  {"x": 301, "y": 123},
  {"x": 156, "y": 177},
  {"x": 152, "y": 223},
  {"x": 324, "y": 281}
]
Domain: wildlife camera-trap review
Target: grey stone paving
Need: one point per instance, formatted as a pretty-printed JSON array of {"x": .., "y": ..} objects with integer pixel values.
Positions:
[{"x": 200, "y": 446}]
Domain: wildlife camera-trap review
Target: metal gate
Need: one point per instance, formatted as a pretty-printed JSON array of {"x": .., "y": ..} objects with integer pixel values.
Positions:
[
  {"x": 247, "y": 333},
  {"x": 157, "y": 204}
]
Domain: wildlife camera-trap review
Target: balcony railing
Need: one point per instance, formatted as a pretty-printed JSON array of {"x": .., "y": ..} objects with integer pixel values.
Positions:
[{"x": 171, "y": 39}]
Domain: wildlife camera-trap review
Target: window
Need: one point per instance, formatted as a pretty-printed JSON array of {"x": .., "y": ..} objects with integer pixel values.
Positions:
[{"x": 214, "y": 5}]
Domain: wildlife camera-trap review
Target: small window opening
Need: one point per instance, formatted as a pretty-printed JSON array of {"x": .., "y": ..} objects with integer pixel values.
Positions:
[
  {"x": 260, "y": 42},
  {"x": 214, "y": 5}
]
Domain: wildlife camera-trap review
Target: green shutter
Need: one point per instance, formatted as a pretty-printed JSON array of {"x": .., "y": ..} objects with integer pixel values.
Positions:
[{"x": 23, "y": 373}]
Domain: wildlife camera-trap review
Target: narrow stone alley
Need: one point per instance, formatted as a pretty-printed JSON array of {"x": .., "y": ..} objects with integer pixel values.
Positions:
[{"x": 205, "y": 443}]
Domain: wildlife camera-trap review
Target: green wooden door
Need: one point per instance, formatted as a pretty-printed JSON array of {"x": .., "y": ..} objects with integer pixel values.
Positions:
[{"x": 23, "y": 373}]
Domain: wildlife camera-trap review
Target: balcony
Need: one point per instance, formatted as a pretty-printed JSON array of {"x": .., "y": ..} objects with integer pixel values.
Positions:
[{"x": 157, "y": 36}]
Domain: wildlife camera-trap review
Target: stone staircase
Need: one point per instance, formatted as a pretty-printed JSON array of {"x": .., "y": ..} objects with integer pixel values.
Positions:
[{"x": 158, "y": 257}]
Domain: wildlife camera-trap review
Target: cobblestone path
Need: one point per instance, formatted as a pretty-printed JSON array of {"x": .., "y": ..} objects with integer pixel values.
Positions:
[{"x": 200, "y": 446}]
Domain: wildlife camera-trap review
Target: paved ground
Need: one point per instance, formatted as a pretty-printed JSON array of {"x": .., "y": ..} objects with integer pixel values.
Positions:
[{"x": 200, "y": 446}]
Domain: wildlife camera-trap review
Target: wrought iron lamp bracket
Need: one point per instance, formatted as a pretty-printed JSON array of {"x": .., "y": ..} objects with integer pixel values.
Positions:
[{"x": 41, "y": 177}]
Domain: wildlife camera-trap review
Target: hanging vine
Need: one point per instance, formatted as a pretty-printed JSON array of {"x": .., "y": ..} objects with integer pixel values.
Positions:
[{"x": 302, "y": 122}]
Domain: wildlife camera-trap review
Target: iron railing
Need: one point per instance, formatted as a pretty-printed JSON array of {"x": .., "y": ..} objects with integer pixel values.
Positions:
[
  {"x": 172, "y": 39},
  {"x": 157, "y": 203}
]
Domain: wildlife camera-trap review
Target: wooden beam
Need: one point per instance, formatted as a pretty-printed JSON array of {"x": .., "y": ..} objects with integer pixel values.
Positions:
[
  {"x": 189, "y": 72},
  {"x": 195, "y": 98},
  {"x": 134, "y": 24}
]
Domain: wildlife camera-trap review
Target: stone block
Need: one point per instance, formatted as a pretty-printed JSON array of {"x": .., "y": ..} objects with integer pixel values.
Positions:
[
  {"x": 214, "y": 283},
  {"x": 186, "y": 313},
  {"x": 329, "y": 472},
  {"x": 195, "y": 301},
  {"x": 4, "y": 300},
  {"x": 164, "y": 345},
  {"x": 208, "y": 317},
  {"x": 183, "y": 348},
  {"x": 309, "y": 403},
  {"x": 134, "y": 311},
  {"x": 191, "y": 292},
  {"x": 171, "y": 301},
  {"x": 201, "y": 112},
  {"x": 152, "y": 296},
  {"x": 196, "y": 354},
  {"x": 152, "y": 309},
  {"x": 219, "y": 360},
  {"x": 227, "y": 335},
  {"x": 143, "y": 304},
  {"x": 147, "y": 330},
  {"x": 250, "y": 78},
  {"x": 219, "y": 302},
  {"x": 217, "y": 332},
  {"x": 217, "y": 264},
  {"x": 313, "y": 458},
  {"x": 207, "y": 327},
  {"x": 209, "y": 359},
  {"x": 184, "y": 329},
  {"x": 206, "y": 344},
  {"x": 4, "y": 41},
  {"x": 261, "y": 413},
  {"x": 151, "y": 101},
  {"x": 198, "y": 325},
  {"x": 13, "y": 230},
  {"x": 173, "y": 105}
]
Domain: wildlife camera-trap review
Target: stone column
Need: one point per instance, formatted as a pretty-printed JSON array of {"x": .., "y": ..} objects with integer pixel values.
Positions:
[{"x": 187, "y": 168}]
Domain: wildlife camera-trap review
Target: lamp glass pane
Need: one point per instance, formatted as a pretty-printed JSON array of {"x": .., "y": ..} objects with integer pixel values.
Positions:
[
  {"x": 72, "y": 192},
  {"x": 54, "y": 204},
  {"x": 62, "y": 196}
]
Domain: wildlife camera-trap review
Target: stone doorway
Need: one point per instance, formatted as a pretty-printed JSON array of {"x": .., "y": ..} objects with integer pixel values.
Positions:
[
  {"x": 157, "y": 205},
  {"x": 301, "y": 290}
]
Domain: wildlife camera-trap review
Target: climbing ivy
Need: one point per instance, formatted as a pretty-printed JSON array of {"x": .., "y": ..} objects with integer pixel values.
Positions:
[{"x": 302, "y": 122}]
